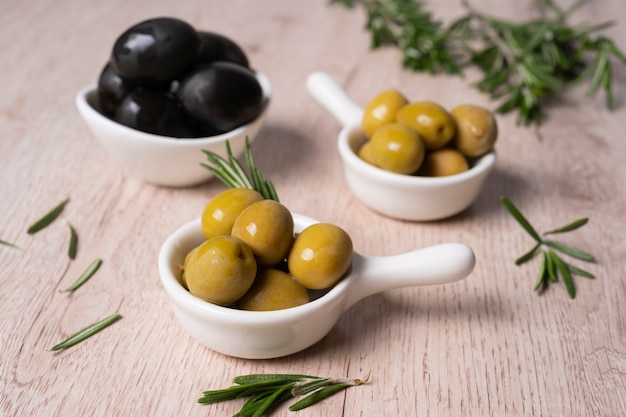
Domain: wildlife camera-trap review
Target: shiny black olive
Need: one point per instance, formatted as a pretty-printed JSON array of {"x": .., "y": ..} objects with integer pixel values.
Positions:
[
  {"x": 216, "y": 47},
  {"x": 154, "y": 112},
  {"x": 155, "y": 51},
  {"x": 111, "y": 90},
  {"x": 221, "y": 94}
]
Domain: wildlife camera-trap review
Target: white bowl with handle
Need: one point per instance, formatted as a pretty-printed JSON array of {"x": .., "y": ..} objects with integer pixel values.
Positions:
[
  {"x": 405, "y": 197},
  {"x": 272, "y": 334}
]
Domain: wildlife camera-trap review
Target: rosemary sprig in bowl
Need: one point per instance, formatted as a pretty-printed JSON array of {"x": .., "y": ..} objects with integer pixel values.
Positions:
[
  {"x": 552, "y": 265},
  {"x": 230, "y": 171}
]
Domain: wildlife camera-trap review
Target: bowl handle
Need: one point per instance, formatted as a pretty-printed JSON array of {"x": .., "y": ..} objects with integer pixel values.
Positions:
[
  {"x": 438, "y": 264},
  {"x": 334, "y": 99}
]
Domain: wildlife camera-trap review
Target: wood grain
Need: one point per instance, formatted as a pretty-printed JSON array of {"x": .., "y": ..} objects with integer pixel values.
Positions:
[{"x": 485, "y": 346}]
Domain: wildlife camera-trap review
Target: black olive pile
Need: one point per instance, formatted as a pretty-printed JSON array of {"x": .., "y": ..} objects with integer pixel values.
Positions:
[{"x": 167, "y": 78}]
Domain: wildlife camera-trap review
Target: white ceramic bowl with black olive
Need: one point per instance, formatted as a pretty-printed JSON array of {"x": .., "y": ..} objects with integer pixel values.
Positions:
[
  {"x": 399, "y": 196},
  {"x": 156, "y": 118}
]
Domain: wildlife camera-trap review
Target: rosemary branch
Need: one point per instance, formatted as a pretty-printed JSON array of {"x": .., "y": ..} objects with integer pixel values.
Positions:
[
  {"x": 265, "y": 391},
  {"x": 552, "y": 265},
  {"x": 521, "y": 64}
]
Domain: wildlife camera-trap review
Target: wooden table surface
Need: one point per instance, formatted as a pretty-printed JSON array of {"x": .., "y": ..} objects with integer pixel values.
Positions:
[{"x": 487, "y": 345}]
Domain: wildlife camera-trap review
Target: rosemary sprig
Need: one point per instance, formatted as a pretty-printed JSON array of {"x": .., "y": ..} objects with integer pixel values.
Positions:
[
  {"x": 48, "y": 218},
  {"x": 87, "y": 332},
  {"x": 521, "y": 64},
  {"x": 265, "y": 391},
  {"x": 9, "y": 244},
  {"x": 84, "y": 277},
  {"x": 230, "y": 171},
  {"x": 552, "y": 265}
]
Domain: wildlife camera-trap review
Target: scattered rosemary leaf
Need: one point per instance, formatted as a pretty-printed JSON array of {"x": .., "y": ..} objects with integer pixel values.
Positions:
[
  {"x": 87, "y": 332},
  {"x": 71, "y": 251},
  {"x": 9, "y": 244},
  {"x": 48, "y": 218},
  {"x": 91, "y": 269}
]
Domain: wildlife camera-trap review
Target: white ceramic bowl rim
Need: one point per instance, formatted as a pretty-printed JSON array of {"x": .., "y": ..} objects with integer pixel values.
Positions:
[
  {"x": 213, "y": 311},
  {"x": 86, "y": 97},
  {"x": 479, "y": 166}
]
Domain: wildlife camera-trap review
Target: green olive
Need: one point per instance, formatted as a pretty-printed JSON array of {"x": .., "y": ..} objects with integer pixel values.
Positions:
[
  {"x": 220, "y": 212},
  {"x": 221, "y": 270},
  {"x": 267, "y": 227},
  {"x": 443, "y": 162},
  {"x": 320, "y": 256},
  {"x": 381, "y": 110},
  {"x": 183, "y": 276},
  {"x": 433, "y": 123},
  {"x": 365, "y": 153},
  {"x": 397, "y": 148},
  {"x": 273, "y": 290},
  {"x": 477, "y": 130}
]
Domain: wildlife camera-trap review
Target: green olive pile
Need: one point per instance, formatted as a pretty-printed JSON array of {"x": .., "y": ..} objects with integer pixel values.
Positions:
[
  {"x": 252, "y": 260},
  {"x": 167, "y": 78},
  {"x": 422, "y": 138}
]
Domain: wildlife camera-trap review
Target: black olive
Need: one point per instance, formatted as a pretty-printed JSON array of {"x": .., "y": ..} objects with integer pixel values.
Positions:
[
  {"x": 221, "y": 94},
  {"x": 111, "y": 90},
  {"x": 216, "y": 47},
  {"x": 155, "y": 112},
  {"x": 155, "y": 51}
]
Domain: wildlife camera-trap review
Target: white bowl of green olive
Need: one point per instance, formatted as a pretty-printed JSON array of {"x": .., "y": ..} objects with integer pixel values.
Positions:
[
  {"x": 271, "y": 334},
  {"x": 422, "y": 192},
  {"x": 159, "y": 103}
]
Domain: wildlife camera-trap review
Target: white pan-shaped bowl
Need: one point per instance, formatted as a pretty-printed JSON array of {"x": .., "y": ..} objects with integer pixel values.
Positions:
[
  {"x": 406, "y": 197},
  {"x": 272, "y": 334}
]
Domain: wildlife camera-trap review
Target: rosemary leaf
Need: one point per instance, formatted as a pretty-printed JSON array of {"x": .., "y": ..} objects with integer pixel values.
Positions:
[
  {"x": 568, "y": 250},
  {"x": 552, "y": 270},
  {"x": 86, "y": 332},
  {"x": 91, "y": 269},
  {"x": 9, "y": 244},
  {"x": 317, "y": 396},
  {"x": 256, "y": 378},
  {"x": 543, "y": 274},
  {"x": 48, "y": 218},
  {"x": 568, "y": 228},
  {"x": 271, "y": 400},
  {"x": 271, "y": 190},
  {"x": 564, "y": 272},
  {"x": 71, "y": 251},
  {"x": 520, "y": 218},
  {"x": 580, "y": 272},
  {"x": 528, "y": 255},
  {"x": 227, "y": 173}
]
